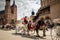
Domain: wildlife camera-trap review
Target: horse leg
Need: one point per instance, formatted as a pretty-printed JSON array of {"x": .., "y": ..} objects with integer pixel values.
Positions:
[
  {"x": 34, "y": 31},
  {"x": 23, "y": 30},
  {"x": 37, "y": 32},
  {"x": 16, "y": 31},
  {"x": 27, "y": 31}
]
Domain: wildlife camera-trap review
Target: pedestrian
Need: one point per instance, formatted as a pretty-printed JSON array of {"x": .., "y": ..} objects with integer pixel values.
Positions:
[
  {"x": 29, "y": 26},
  {"x": 43, "y": 25},
  {"x": 46, "y": 23},
  {"x": 2, "y": 26},
  {"x": 40, "y": 24},
  {"x": 49, "y": 22},
  {"x": 34, "y": 25},
  {"x": 25, "y": 20}
]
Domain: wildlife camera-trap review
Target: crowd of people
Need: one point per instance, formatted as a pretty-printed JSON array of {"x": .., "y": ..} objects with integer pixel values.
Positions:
[{"x": 42, "y": 23}]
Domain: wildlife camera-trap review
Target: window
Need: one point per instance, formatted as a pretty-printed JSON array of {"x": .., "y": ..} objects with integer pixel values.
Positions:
[
  {"x": 12, "y": 21},
  {"x": 12, "y": 11},
  {"x": 12, "y": 16}
]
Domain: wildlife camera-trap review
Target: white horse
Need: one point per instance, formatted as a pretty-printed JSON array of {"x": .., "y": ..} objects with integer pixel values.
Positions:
[
  {"x": 23, "y": 27},
  {"x": 20, "y": 27}
]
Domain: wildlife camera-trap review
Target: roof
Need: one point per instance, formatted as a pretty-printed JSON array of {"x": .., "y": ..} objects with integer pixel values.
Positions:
[
  {"x": 13, "y": 4},
  {"x": 39, "y": 11},
  {"x": 2, "y": 12},
  {"x": 42, "y": 8}
]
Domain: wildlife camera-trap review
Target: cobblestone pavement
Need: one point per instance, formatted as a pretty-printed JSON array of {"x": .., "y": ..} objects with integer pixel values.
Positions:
[{"x": 9, "y": 35}]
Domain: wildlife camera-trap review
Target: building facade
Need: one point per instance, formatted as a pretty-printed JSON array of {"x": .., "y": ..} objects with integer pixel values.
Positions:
[
  {"x": 9, "y": 15},
  {"x": 49, "y": 8}
]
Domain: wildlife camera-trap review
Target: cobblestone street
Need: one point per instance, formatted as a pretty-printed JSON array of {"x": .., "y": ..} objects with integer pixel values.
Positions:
[
  {"x": 9, "y": 35},
  {"x": 29, "y": 20}
]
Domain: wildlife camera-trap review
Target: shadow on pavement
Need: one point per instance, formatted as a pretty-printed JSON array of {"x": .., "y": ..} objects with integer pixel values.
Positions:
[
  {"x": 6, "y": 29},
  {"x": 28, "y": 36}
]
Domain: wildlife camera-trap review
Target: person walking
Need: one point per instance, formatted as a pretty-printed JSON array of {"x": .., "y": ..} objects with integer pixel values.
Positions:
[
  {"x": 29, "y": 26},
  {"x": 50, "y": 24},
  {"x": 40, "y": 23},
  {"x": 43, "y": 25},
  {"x": 34, "y": 25},
  {"x": 2, "y": 26},
  {"x": 25, "y": 20}
]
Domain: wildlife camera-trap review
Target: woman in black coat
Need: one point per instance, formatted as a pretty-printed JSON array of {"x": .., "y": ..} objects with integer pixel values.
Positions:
[{"x": 40, "y": 23}]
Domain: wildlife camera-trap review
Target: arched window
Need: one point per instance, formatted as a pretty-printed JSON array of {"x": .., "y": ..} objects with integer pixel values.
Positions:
[{"x": 12, "y": 21}]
